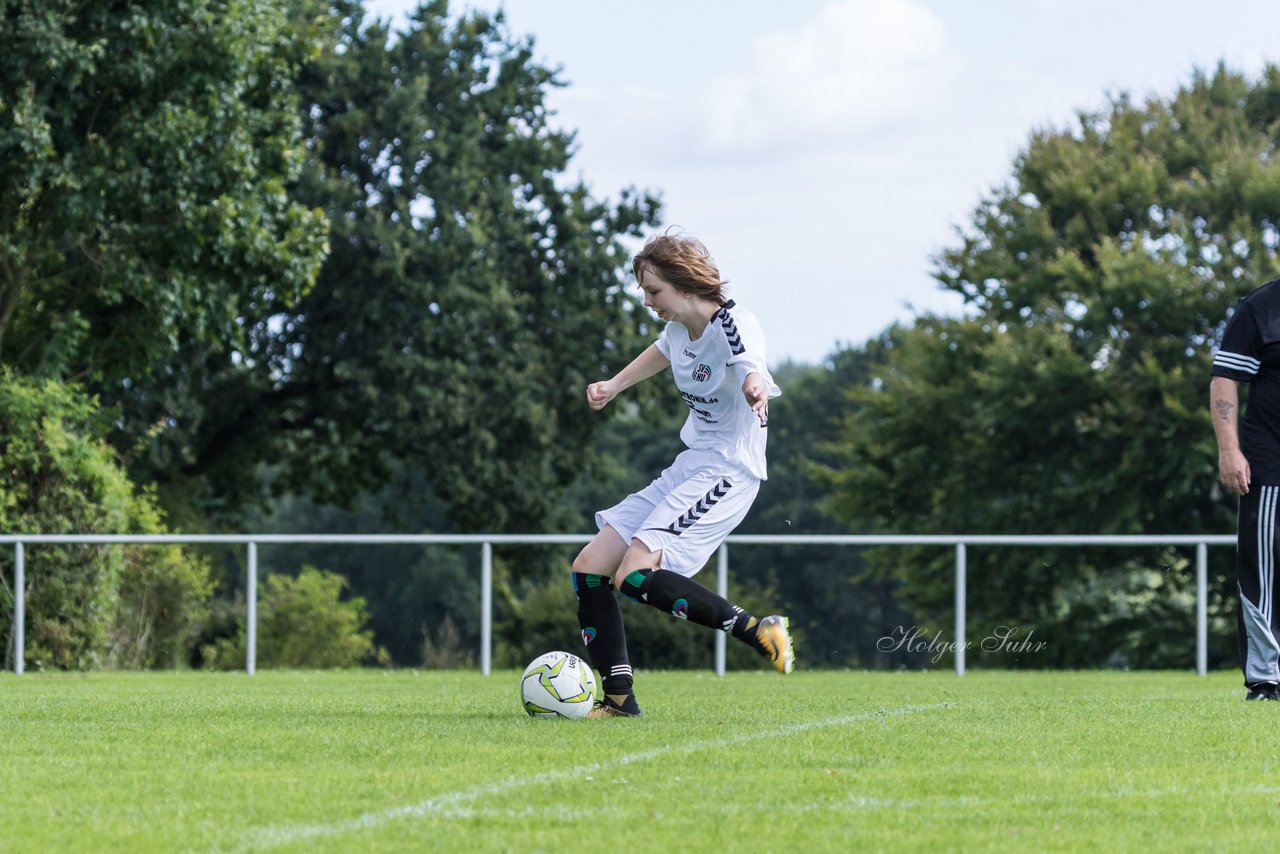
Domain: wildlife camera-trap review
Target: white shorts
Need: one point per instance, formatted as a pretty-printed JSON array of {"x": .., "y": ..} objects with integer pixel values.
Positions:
[{"x": 686, "y": 512}]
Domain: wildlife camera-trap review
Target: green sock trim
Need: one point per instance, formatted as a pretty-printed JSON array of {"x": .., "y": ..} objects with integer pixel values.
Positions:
[{"x": 632, "y": 583}]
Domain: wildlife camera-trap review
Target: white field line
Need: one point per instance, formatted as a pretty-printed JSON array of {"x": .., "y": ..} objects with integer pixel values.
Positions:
[
  {"x": 854, "y": 803},
  {"x": 453, "y": 802},
  {"x": 864, "y": 803}
]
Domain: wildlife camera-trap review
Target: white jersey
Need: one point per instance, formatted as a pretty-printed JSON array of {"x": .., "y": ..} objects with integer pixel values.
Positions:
[{"x": 709, "y": 374}]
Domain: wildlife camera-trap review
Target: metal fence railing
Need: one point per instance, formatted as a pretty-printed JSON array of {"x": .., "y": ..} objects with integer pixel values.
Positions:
[{"x": 959, "y": 542}]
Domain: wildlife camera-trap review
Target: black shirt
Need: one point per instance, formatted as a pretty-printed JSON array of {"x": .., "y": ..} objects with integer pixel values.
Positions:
[{"x": 1250, "y": 352}]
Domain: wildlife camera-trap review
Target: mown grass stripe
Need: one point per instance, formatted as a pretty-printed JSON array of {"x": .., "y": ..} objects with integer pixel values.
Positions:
[{"x": 442, "y": 805}]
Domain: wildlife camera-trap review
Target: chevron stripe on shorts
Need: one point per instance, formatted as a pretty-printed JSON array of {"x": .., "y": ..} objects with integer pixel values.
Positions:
[
  {"x": 701, "y": 508},
  {"x": 731, "y": 332}
]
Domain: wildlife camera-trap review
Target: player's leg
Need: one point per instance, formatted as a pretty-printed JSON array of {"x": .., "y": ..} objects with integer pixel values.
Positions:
[
  {"x": 599, "y": 616},
  {"x": 674, "y": 544},
  {"x": 1269, "y": 500},
  {"x": 642, "y": 578},
  {"x": 1256, "y": 569}
]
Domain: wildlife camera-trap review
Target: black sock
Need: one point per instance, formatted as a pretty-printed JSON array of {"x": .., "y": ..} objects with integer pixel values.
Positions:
[
  {"x": 601, "y": 621},
  {"x": 688, "y": 600}
]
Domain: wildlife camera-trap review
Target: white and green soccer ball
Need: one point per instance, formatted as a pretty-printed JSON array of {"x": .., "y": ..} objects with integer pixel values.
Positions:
[{"x": 558, "y": 685}]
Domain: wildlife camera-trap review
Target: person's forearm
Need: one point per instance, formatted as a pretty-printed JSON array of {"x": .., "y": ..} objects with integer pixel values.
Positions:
[
  {"x": 1224, "y": 403},
  {"x": 648, "y": 363}
]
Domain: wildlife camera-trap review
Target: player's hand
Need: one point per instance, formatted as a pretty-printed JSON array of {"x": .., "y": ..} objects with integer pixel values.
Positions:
[
  {"x": 757, "y": 395},
  {"x": 1233, "y": 471},
  {"x": 599, "y": 394}
]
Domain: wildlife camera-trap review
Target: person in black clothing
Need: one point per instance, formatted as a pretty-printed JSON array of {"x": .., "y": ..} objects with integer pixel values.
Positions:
[{"x": 1249, "y": 466}]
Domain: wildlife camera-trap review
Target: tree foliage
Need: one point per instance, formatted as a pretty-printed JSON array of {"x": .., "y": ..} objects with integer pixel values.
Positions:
[
  {"x": 176, "y": 176},
  {"x": 88, "y": 605},
  {"x": 1072, "y": 399},
  {"x": 144, "y": 204},
  {"x": 470, "y": 293}
]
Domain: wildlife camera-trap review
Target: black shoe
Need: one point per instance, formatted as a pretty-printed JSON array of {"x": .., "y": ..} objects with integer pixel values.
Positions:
[
  {"x": 1263, "y": 691},
  {"x": 607, "y": 707}
]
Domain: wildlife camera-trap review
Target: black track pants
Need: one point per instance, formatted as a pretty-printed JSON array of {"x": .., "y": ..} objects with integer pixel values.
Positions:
[{"x": 1256, "y": 562}]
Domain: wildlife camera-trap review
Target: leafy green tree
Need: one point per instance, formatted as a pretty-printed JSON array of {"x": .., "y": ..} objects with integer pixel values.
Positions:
[
  {"x": 163, "y": 220},
  {"x": 87, "y": 606},
  {"x": 145, "y": 215},
  {"x": 470, "y": 294},
  {"x": 1072, "y": 400}
]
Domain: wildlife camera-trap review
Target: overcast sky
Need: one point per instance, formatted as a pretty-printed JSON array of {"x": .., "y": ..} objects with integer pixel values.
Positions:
[{"x": 827, "y": 151}]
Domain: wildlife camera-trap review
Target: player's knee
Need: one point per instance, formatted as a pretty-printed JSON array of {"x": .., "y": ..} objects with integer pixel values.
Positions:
[
  {"x": 581, "y": 563},
  {"x": 637, "y": 559},
  {"x": 639, "y": 556}
]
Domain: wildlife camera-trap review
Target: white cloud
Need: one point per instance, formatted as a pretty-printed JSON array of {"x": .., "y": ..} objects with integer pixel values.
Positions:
[{"x": 856, "y": 66}]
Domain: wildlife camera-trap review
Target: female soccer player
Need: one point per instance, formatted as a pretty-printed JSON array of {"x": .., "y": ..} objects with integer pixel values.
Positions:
[{"x": 652, "y": 544}]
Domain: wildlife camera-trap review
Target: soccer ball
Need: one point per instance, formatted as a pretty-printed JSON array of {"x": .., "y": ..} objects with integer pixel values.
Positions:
[{"x": 558, "y": 685}]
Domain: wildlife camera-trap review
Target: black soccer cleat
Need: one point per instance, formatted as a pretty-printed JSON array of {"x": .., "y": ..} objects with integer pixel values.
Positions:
[{"x": 1263, "y": 691}]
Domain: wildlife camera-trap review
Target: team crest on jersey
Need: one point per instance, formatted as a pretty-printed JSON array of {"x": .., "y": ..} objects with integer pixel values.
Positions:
[{"x": 701, "y": 373}]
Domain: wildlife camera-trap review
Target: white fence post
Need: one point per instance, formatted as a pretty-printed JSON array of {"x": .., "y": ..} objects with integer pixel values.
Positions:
[
  {"x": 722, "y": 587},
  {"x": 486, "y": 607},
  {"x": 19, "y": 609},
  {"x": 1202, "y": 608},
  {"x": 961, "y": 572},
  {"x": 251, "y": 613}
]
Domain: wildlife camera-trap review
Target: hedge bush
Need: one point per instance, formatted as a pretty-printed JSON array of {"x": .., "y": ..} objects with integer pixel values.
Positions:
[
  {"x": 87, "y": 606},
  {"x": 303, "y": 622}
]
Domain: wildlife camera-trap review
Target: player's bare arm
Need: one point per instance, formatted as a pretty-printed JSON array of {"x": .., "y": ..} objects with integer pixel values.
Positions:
[
  {"x": 1233, "y": 468},
  {"x": 646, "y": 365}
]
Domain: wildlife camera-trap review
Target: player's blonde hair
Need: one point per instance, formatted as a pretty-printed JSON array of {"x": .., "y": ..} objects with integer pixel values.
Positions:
[{"x": 684, "y": 262}]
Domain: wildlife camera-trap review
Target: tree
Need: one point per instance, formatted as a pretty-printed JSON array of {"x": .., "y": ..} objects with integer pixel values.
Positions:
[
  {"x": 88, "y": 606},
  {"x": 1073, "y": 399},
  {"x": 144, "y": 205},
  {"x": 469, "y": 296}
]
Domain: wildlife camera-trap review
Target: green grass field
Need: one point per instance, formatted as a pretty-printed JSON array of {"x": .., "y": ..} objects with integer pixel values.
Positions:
[{"x": 362, "y": 761}]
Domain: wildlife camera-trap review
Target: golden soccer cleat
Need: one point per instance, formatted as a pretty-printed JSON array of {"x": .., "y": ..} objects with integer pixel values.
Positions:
[
  {"x": 610, "y": 706},
  {"x": 773, "y": 639}
]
